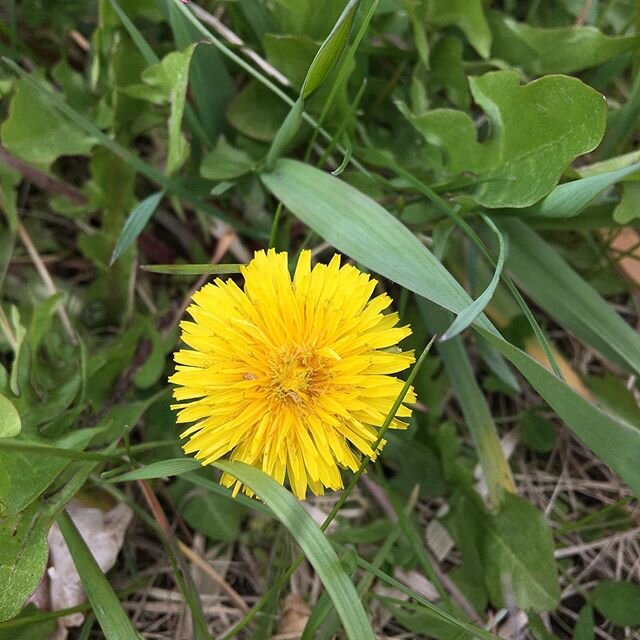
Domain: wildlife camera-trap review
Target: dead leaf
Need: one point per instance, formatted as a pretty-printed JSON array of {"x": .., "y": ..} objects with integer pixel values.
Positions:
[
  {"x": 293, "y": 620},
  {"x": 103, "y": 531}
]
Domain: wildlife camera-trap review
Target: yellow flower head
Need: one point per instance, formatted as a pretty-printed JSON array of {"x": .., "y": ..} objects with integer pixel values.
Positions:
[{"x": 292, "y": 376}]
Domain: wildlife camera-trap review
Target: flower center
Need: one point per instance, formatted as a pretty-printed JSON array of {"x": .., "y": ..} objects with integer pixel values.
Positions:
[{"x": 297, "y": 375}]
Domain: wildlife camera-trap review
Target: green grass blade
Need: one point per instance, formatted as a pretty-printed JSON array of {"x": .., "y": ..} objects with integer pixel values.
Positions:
[
  {"x": 357, "y": 225},
  {"x": 160, "y": 469},
  {"x": 614, "y": 440},
  {"x": 111, "y": 616},
  {"x": 315, "y": 546},
  {"x": 145, "y": 49},
  {"x": 570, "y": 199},
  {"x": 571, "y": 301},
  {"x": 466, "y": 317},
  {"x": 361, "y": 228},
  {"x": 135, "y": 223},
  {"x": 192, "y": 269}
]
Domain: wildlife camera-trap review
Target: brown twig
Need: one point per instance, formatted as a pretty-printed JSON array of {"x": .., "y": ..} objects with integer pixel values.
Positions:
[
  {"x": 161, "y": 519},
  {"x": 46, "y": 278},
  {"x": 233, "y": 39},
  {"x": 41, "y": 179}
]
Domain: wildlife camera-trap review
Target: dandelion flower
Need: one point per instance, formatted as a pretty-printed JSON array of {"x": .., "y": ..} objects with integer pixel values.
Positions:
[{"x": 292, "y": 375}]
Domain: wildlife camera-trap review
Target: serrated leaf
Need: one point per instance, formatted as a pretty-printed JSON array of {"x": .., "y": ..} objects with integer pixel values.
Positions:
[
  {"x": 135, "y": 223},
  {"x": 35, "y": 130},
  {"x": 537, "y": 130}
]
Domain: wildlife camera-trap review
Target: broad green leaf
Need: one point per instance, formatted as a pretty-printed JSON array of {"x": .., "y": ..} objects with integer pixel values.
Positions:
[
  {"x": 418, "y": 620},
  {"x": 313, "y": 542},
  {"x": 10, "y": 422},
  {"x": 537, "y": 130},
  {"x": 111, "y": 616},
  {"x": 292, "y": 55},
  {"x": 23, "y": 557},
  {"x": 331, "y": 50},
  {"x": 468, "y": 15},
  {"x": 23, "y": 543},
  {"x": 557, "y": 288},
  {"x": 135, "y": 223},
  {"x": 217, "y": 516},
  {"x": 256, "y": 112},
  {"x": 225, "y": 162},
  {"x": 171, "y": 76},
  {"x": 161, "y": 469},
  {"x": 359, "y": 227},
  {"x": 191, "y": 269},
  {"x": 447, "y": 72},
  {"x": 307, "y": 17},
  {"x": 36, "y": 132},
  {"x": 618, "y": 602},
  {"x": 24, "y": 476},
  {"x": 540, "y": 50},
  {"x": 467, "y": 316},
  {"x": 518, "y": 557},
  {"x": 571, "y": 198}
]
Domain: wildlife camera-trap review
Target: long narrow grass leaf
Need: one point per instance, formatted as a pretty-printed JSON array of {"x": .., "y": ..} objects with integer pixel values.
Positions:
[
  {"x": 467, "y": 316},
  {"x": 191, "y": 269},
  {"x": 113, "y": 620},
  {"x": 571, "y": 198},
  {"x": 160, "y": 469},
  {"x": 315, "y": 546},
  {"x": 135, "y": 223},
  {"x": 567, "y": 297},
  {"x": 361, "y": 228}
]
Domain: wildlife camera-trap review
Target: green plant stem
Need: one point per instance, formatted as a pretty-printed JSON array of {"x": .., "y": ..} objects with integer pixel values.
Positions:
[{"x": 273, "y": 236}]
